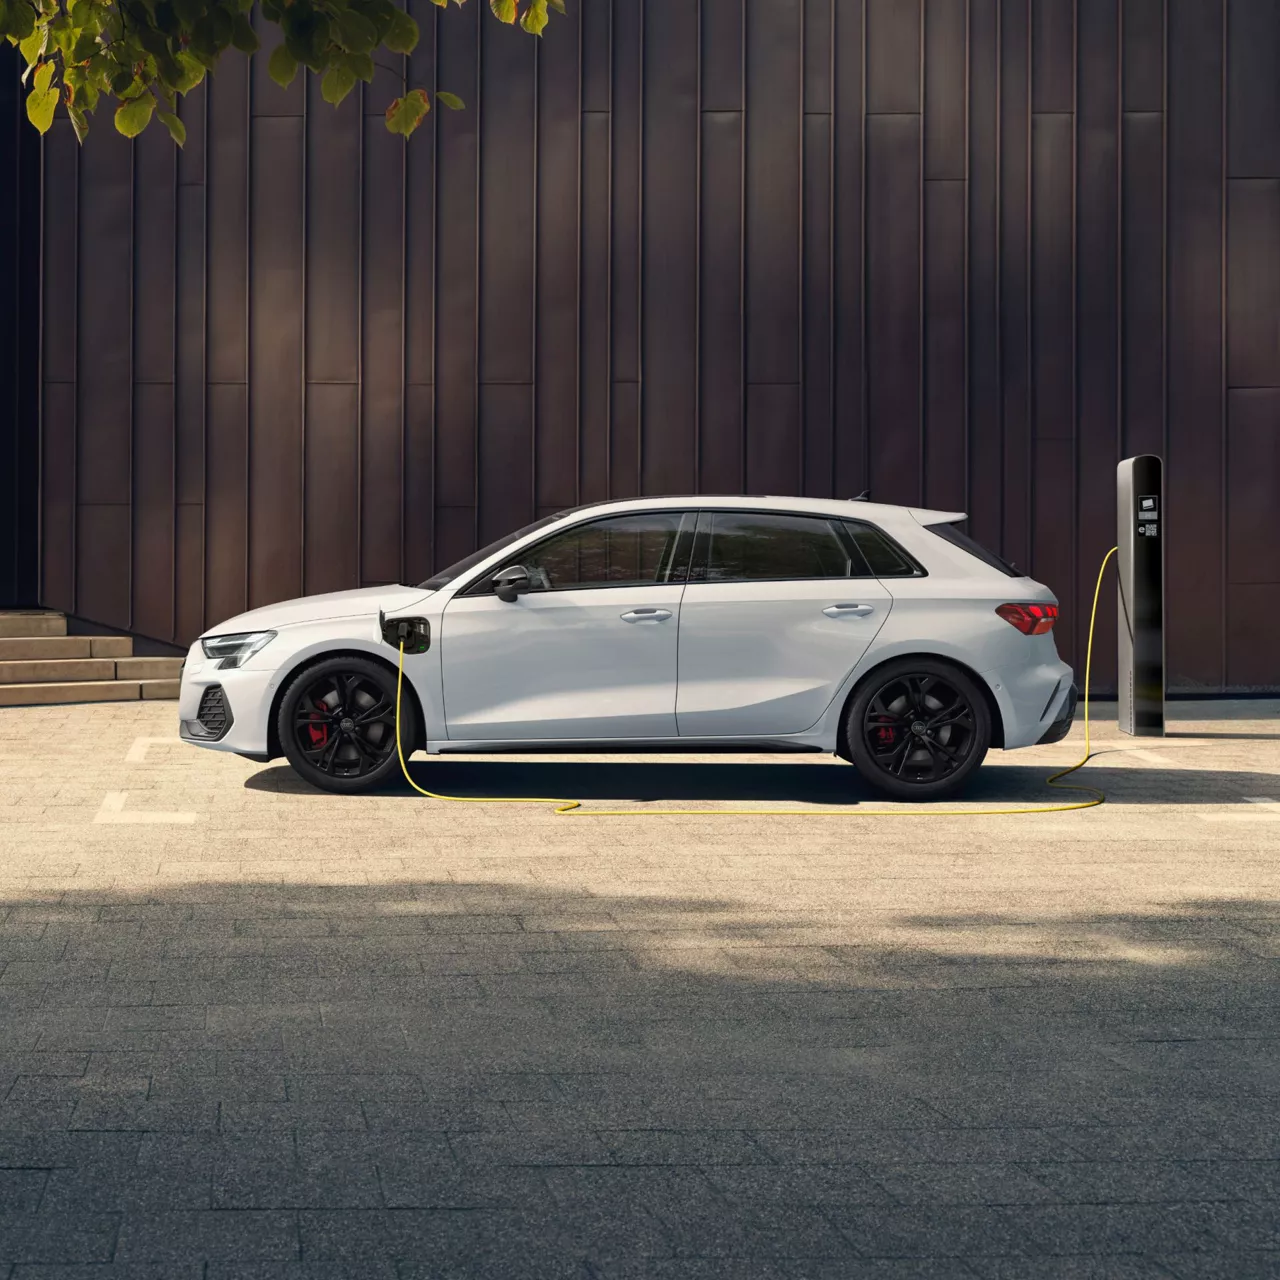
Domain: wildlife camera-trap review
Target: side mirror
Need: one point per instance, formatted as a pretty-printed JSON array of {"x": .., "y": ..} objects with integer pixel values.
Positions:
[{"x": 511, "y": 582}]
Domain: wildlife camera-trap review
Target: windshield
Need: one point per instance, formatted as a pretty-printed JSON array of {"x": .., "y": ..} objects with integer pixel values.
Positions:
[{"x": 445, "y": 576}]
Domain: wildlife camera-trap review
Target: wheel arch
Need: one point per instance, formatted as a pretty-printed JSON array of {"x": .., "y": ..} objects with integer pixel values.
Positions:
[
  {"x": 993, "y": 707},
  {"x": 274, "y": 747}
]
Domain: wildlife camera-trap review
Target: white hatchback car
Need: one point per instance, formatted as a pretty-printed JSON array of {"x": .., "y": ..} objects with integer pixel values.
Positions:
[{"x": 880, "y": 633}]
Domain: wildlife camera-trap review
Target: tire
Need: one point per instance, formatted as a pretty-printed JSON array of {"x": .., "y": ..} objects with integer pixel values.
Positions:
[
  {"x": 333, "y": 748},
  {"x": 917, "y": 728}
]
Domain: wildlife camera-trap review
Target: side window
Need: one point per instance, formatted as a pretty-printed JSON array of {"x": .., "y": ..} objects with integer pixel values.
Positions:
[
  {"x": 743, "y": 546},
  {"x": 883, "y": 556},
  {"x": 623, "y": 551}
]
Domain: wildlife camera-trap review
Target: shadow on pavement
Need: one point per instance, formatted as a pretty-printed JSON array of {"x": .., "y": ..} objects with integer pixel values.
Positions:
[{"x": 427, "y": 1079}]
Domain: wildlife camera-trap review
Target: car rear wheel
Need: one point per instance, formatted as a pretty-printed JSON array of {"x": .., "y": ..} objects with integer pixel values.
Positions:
[
  {"x": 918, "y": 728},
  {"x": 337, "y": 724}
]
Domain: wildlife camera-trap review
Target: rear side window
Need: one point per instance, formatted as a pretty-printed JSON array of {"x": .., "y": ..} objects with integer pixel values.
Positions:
[
  {"x": 884, "y": 557},
  {"x": 764, "y": 547},
  {"x": 953, "y": 534}
]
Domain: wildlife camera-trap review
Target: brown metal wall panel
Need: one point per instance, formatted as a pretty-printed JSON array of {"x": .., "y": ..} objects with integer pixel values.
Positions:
[
  {"x": 945, "y": 76},
  {"x": 276, "y": 311},
  {"x": 1195, "y": 615},
  {"x": 773, "y": 185},
  {"x": 965, "y": 297},
  {"x": 1143, "y": 23},
  {"x": 228, "y": 221},
  {"x": 268, "y": 98},
  {"x": 331, "y": 555},
  {"x": 103, "y": 358},
  {"x": 333, "y": 199},
  {"x": 1253, "y": 282},
  {"x": 1052, "y": 55},
  {"x": 594, "y": 309},
  {"x": 382, "y": 354},
  {"x": 457, "y": 265},
  {"x": 893, "y": 55},
  {"x": 1253, "y": 465},
  {"x": 1252, "y": 610},
  {"x": 985, "y": 493},
  {"x": 819, "y": 16},
  {"x": 1253, "y": 89},
  {"x": 669, "y": 252},
  {"x": 58, "y": 491},
  {"x": 817, "y": 370},
  {"x": 1142, "y": 285},
  {"x": 893, "y": 306},
  {"x": 625, "y": 214},
  {"x": 153, "y": 511},
  {"x": 773, "y": 427},
  {"x": 1097, "y": 317},
  {"x": 945, "y": 445},
  {"x": 722, "y": 410},
  {"x": 555, "y": 436},
  {"x": 723, "y": 23},
  {"x": 1015, "y": 263},
  {"x": 226, "y": 502},
  {"x": 849, "y": 249}
]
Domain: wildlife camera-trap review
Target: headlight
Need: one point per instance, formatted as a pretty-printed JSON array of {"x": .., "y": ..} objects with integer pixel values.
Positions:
[{"x": 235, "y": 651}]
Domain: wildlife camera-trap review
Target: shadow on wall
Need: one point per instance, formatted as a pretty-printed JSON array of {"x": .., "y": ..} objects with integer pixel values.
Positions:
[{"x": 487, "y": 1079}]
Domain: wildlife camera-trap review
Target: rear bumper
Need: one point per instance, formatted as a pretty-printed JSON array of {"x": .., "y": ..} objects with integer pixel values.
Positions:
[{"x": 1062, "y": 725}]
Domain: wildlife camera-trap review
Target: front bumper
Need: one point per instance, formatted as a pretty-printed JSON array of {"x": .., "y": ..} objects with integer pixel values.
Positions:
[
  {"x": 1062, "y": 725},
  {"x": 225, "y": 710}
]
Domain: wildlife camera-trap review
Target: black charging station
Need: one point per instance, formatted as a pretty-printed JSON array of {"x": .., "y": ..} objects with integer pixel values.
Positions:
[{"x": 1141, "y": 523}]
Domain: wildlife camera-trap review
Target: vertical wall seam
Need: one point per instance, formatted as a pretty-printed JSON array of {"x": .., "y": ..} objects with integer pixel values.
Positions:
[
  {"x": 608, "y": 258},
  {"x": 1223, "y": 456},
  {"x": 1120, "y": 298},
  {"x": 204, "y": 362},
  {"x": 640, "y": 256},
  {"x": 1001, "y": 426},
  {"x": 697, "y": 262},
  {"x": 1075, "y": 324},
  {"x": 133, "y": 374},
  {"x": 302, "y": 425},
  {"x": 433, "y": 308},
  {"x": 533, "y": 295},
  {"x": 1029, "y": 505},
  {"x": 832, "y": 120},
  {"x": 248, "y": 325},
  {"x": 802, "y": 328},
  {"x": 359, "y": 478},
  {"x": 173, "y": 409},
  {"x": 922, "y": 361},
  {"x": 744, "y": 116},
  {"x": 479, "y": 266},
  {"x": 864, "y": 281},
  {"x": 968, "y": 196},
  {"x": 577, "y": 290},
  {"x": 404, "y": 331}
]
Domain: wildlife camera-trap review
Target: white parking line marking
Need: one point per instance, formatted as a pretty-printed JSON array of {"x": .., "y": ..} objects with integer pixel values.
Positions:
[
  {"x": 1267, "y": 810},
  {"x": 137, "y": 753},
  {"x": 113, "y": 810},
  {"x": 1151, "y": 757}
]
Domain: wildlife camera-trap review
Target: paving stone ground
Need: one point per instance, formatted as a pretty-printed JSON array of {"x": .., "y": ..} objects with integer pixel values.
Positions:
[{"x": 253, "y": 1032}]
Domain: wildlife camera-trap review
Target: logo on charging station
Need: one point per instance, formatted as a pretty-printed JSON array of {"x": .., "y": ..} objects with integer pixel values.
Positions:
[{"x": 1148, "y": 517}]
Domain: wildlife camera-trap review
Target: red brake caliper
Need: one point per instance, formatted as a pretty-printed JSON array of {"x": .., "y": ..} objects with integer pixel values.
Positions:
[{"x": 319, "y": 732}]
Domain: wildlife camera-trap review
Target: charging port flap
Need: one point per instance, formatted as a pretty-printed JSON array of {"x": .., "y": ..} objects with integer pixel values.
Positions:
[{"x": 413, "y": 633}]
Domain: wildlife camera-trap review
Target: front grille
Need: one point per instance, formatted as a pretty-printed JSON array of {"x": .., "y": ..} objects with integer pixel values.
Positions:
[{"x": 214, "y": 714}]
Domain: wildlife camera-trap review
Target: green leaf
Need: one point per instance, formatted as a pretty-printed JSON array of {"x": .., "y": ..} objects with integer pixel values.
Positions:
[
  {"x": 356, "y": 34},
  {"x": 79, "y": 122},
  {"x": 451, "y": 100},
  {"x": 338, "y": 81},
  {"x": 405, "y": 114},
  {"x": 243, "y": 36},
  {"x": 42, "y": 101},
  {"x": 177, "y": 130},
  {"x": 282, "y": 67},
  {"x": 85, "y": 47},
  {"x": 133, "y": 115},
  {"x": 22, "y": 20},
  {"x": 121, "y": 81},
  {"x": 402, "y": 36},
  {"x": 440, "y": 4},
  {"x": 503, "y": 10},
  {"x": 33, "y": 45},
  {"x": 359, "y": 64},
  {"x": 557, "y": 5},
  {"x": 193, "y": 71},
  {"x": 535, "y": 17}
]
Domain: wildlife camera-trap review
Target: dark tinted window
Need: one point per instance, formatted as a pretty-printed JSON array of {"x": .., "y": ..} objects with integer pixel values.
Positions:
[
  {"x": 953, "y": 534},
  {"x": 884, "y": 557},
  {"x": 746, "y": 546},
  {"x": 446, "y": 576},
  {"x": 625, "y": 551}
]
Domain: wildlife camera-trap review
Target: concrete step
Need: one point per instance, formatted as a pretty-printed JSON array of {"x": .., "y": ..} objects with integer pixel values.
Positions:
[
  {"x": 51, "y": 692},
  {"x": 32, "y": 622},
  {"x": 57, "y": 670},
  {"x": 39, "y": 648},
  {"x": 159, "y": 689},
  {"x": 148, "y": 668}
]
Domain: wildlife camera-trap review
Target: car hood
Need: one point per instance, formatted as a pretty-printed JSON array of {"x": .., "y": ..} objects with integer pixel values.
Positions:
[{"x": 362, "y": 602}]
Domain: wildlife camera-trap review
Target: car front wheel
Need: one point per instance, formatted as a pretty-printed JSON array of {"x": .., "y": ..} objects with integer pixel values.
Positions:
[
  {"x": 917, "y": 729},
  {"x": 337, "y": 724}
]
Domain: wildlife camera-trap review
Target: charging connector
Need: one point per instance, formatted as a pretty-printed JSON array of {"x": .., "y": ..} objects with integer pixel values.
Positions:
[{"x": 413, "y": 635}]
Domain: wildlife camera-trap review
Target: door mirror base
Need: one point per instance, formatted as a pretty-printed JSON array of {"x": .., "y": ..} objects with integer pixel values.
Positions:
[{"x": 510, "y": 583}]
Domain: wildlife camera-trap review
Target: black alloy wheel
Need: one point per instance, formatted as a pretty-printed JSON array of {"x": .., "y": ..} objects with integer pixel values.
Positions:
[
  {"x": 918, "y": 729},
  {"x": 337, "y": 724}
]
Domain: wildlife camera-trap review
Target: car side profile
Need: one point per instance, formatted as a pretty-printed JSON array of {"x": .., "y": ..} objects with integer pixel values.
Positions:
[{"x": 880, "y": 633}]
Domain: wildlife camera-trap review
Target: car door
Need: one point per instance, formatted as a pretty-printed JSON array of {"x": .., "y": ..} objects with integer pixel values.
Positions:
[
  {"x": 778, "y": 611},
  {"x": 589, "y": 652}
]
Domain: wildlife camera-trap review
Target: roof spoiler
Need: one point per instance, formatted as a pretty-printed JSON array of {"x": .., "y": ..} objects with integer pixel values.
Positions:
[{"x": 926, "y": 517}]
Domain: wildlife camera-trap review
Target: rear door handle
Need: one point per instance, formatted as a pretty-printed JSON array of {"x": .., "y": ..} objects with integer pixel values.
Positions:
[
  {"x": 848, "y": 610},
  {"x": 646, "y": 615}
]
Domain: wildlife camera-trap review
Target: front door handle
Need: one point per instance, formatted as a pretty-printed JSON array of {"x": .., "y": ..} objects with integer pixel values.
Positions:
[
  {"x": 646, "y": 615},
  {"x": 848, "y": 610}
]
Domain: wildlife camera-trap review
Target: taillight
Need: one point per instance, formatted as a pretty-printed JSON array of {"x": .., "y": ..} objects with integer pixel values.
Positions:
[{"x": 1030, "y": 619}]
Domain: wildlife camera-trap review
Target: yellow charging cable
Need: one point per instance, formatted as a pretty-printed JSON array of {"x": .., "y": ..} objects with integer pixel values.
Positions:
[{"x": 575, "y": 806}]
